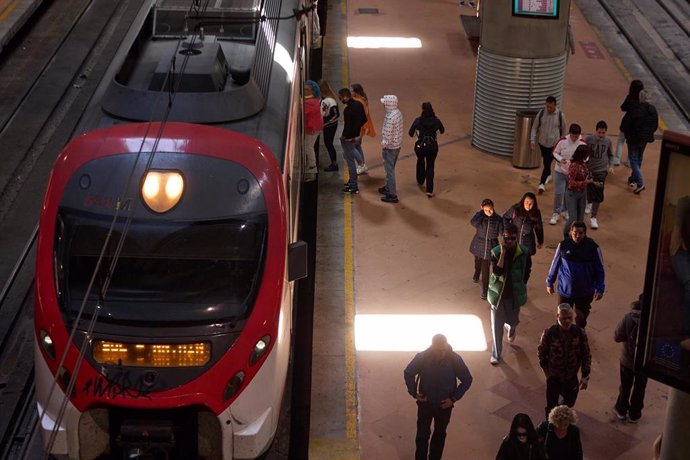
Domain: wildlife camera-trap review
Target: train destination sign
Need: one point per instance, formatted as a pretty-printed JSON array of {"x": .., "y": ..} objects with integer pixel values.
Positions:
[{"x": 538, "y": 8}]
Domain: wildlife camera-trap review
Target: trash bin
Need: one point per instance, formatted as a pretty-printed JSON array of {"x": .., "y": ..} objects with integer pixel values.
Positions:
[{"x": 523, "y": 155}]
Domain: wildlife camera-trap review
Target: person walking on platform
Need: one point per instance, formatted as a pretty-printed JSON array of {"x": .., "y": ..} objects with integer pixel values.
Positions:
[
  {"x": 600, "y": 164},
  {"x": 391, "y": 142},
  {"x": 432, "y": 380},
  {"x": 548, "y": 126},
  {"x": 631, "y": 391},
  {"x": 563, "y": 352},
  {"x": 511, "y": 266},
  {"x": 579, "y": 178},
  {"x": 639, "y": 126},
  {"x": 560, "y": 436},
  {"x": 313, "y": 124},
  {"x": 522, "y": 442},
  {"x": 367, "y": 129},
  {"x": 562, "y": 152},
  {"x": 579, "y": 267},
  {"x": 426, "y": 148},
  {"x": 354, "y": 118},
  {"x": 632, "y": 100},
  {"x": 525, "y": 215},
  {"x": 488, "y": 227},
  {"x": 330, "y": 114}
]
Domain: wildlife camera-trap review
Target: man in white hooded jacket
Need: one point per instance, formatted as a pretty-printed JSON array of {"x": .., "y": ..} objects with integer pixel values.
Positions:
[{"x": 391, "y": 141}]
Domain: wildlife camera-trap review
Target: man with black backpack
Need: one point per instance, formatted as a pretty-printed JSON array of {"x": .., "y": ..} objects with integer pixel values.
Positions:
[
  {"x": 547, "y": 128},
  {"x": 639, "y": 125}
]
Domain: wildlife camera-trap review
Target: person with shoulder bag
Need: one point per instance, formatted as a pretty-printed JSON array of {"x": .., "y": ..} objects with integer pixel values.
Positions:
[{"x": 425, "y": 128}]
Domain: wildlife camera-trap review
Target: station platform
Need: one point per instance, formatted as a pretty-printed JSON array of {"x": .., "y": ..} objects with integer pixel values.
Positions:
[
  {"x": 13, "y": 15},
  {"x": 412, "y": 258}
]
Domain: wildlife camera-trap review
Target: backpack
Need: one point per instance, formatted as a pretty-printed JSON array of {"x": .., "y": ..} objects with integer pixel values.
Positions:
[{"x": 426, "y": 144}]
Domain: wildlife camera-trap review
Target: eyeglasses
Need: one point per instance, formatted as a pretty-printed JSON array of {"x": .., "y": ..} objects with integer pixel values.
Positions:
[{"x": 509, "y": 238}]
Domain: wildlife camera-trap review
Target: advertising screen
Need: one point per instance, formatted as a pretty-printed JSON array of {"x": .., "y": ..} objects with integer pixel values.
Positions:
[{"x": 538, "y": 8}]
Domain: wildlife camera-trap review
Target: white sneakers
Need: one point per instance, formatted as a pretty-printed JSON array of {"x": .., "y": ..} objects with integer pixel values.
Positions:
[
  {"x": 588, "y": 208},
  {"x": 548, "y": 179},
  {"x": 541, "y": 189},
  {"x": 554, "y": 218},
  {"x": 593, "y": 223},
  {"x": 361, "y": 169}
]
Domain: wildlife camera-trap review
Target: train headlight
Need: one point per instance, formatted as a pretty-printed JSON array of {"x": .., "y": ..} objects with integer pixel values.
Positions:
[
  {"x": 47, "y": 344},
  {"x": 259, "y": 349},
  {"x": 162, "y": 190}
]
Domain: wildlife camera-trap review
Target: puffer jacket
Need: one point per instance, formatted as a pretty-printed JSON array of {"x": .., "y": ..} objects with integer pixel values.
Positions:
[
  {"x": 519, "y": 275},
  {"x": 486, "y": 238},
  {"x": 640, "y": 123},
  {"x": 579, "y": 268},
  {"x": 562, "y": 354},
  {"x": 392, "y": 132},
  {"x": 530, "y": 227},
  {"x": 313, "y": 121}
]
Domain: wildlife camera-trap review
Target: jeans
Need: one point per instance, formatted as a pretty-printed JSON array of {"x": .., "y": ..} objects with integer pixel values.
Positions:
[
  {"x": 547, "y": 159},
  {"x": 309, "y": 142},
  {"x": 482, "y": 266},
  {"x": 359, "y": 153},
  {"x": 560, "y": 183},
  {"x": 631, "y": 393},
  {"x": 503, "y": 313},
  {"x": 425, "y": 170},
  {"x": 635, "y": 154},
  {"x": 348, "y": 146},
  {"x": 390, "y": 157},
  {"x": 556, "y": 387},
  {"x": 680, "y": 262},
  {"x": 328, "y": 136},
  {"x": 441, "y": 417},
  {"x": 619, "y": 149},
  {"x": 575, "y": 205},
  {"x": 582, "y": 306}
]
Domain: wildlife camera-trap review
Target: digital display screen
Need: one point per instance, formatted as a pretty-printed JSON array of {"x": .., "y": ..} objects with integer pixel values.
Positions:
[{"x": 538, "y": 8}]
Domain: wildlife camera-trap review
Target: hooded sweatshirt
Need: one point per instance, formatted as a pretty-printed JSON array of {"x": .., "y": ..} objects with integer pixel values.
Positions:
[
  {"x": 564, "y": 149},
  {"x": 392, "y": 132}
]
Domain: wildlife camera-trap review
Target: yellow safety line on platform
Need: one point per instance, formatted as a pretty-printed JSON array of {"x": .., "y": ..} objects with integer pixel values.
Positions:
[{"x": 8, "y": 9}]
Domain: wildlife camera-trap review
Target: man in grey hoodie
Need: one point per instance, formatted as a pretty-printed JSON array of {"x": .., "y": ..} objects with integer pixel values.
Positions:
[{"x": 391, "y": 142}]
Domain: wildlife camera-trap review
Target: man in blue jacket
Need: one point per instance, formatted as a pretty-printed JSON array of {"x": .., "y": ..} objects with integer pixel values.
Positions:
[
  {"x": 579, "y": 267},
  {"x": 432, "y": 380}
]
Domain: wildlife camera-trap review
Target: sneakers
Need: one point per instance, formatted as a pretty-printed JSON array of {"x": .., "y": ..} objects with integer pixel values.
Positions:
[
  {"x": 548, "y": 179},
  {"x": 565, "y": 215},
  {"x": 471, "y": 3},
  {"x": 541, "y": 189},
  {"x": 484, "y": 294},
  {"x": 554, "y": 218},
  {"x": 639, "y": 189},
  {"x": 331, "y": 168},
  {"x": 588, "y": 208},
  {"x": 632, "y": 184},
  {"x": 383, "y": 190},
  {"x": 625, "y": 163},
  {"x": 593, "y": 223},
  {"x": 475, "y": 278},
  {"x": 430, "y": 194},
  {"x": 350, "y": 189},
  {"x": 633, "y": 420},
  {"x": 618, "y": 415},
  {"x": 390, "y": 199},
  {"x": 362, "y": 169},
  {"x": 494, "y": 361}
]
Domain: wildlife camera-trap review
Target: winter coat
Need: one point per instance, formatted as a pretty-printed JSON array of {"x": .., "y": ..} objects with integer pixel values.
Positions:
[
  {"x": 640, "y": 124},
  {"x": 367, "y": 128},
  {"x": 520, "y": 270},
  {"x": 568, "y": 448},
  {"x": 529, "y": 227},
  {"x": 512, "y": 449},
  {"x": 437, "y": 380},
  {"x": 313, "y": 121},
  {"x": 427, "y": 126},
  {"x": 579, "y": 267},
  {"x": 563, "y": 353},
  {"x": 354, "y": 118},
  {"x": 392, "y": 132},
  {"x": 486, "y": 237},
  {"x": 626, "y": 332}
]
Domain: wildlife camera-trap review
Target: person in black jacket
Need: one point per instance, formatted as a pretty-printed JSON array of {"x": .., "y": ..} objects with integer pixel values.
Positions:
[
  {"x": 426, "y": 148},
  {"x": 522, "y": 443},
  {"x": 631, "y": 392},
  {"x": 639, "y": 125},
  {"x": 561, "y": 436},
  {"x": 488, "y": 227},
  {"x": 632, "y": 100},
  {"x": 354, "y": 118},
  {"x": 525, "y": 215}
]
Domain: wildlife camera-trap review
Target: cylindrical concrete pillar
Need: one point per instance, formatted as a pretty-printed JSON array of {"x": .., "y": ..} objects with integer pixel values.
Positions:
[
  {"x": 675, "y": 444},
  {"x": 521, "y": 61}
]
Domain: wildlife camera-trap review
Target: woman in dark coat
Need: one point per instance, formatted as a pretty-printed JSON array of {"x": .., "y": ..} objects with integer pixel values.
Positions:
[
  {"x": 426, "y": 126},
  {"x": 525, "y": 215},
  {"x": 522, "y": 443},
  {"x": 560, "y": 436},
  {"x": 488, "y": 227}
]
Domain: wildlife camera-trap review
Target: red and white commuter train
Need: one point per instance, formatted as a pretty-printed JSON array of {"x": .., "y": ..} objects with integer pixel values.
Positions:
[{"x": 168, "y": 240}]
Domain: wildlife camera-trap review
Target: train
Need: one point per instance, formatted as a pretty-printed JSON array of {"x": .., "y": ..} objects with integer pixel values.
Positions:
[{"x": 168, "y": 244}]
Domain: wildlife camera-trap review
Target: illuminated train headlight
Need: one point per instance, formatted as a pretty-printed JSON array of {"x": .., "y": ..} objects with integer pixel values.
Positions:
[
  {"x": 162, "y": 190},
  {"x": 47, "y": 344},
  {"x": 259, "y": 349}
]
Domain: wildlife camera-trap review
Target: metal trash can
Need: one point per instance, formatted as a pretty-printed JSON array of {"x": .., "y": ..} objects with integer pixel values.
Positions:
[{"x": 523, "y": 155}]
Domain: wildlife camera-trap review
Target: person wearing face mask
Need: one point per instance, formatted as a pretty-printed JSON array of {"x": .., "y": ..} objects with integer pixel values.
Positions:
[
  {"x": 563, "y": 351},
  {"x": 488, "y": 227},
  {"x": 579, "y": 267},
  {"x": 576, "y": 194},
  {"x": 511, "y": 265},
  {"x": 432, "y": 380},
  {"x": 522, "y": 442}
]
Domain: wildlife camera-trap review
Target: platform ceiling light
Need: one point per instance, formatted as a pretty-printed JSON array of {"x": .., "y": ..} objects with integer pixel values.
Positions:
[
  {"x": 162, "y": 190},
  {"x": 383, "y": 42},
  {"x": 414, "y": 332}
]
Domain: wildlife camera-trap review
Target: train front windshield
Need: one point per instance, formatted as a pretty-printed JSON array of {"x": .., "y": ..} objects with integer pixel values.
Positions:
[{"x": 198, "y": 272}]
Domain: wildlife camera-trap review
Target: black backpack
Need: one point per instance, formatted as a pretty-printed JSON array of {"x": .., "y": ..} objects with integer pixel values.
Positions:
[{"x": 426, "y": 144}]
